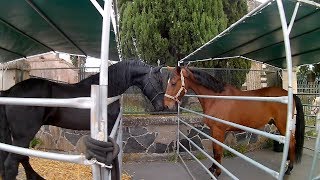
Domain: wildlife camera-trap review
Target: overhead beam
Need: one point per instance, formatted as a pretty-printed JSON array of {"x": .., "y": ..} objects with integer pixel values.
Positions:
[
  {"x": 24, "y": 34},
  {"x": 53, "y": 25},
  {"x": 16, "y": 53}
]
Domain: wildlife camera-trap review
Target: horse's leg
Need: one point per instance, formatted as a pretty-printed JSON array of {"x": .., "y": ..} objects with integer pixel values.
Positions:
[
  {"x": 13, "y": 160},
  {"x": 24, "y": 124},
  {"x": 291, "y": 156},
  {"x": 4, "y": 154},
  {"x": 217, "y": 134},
  {"x": 30, "y": 173}
]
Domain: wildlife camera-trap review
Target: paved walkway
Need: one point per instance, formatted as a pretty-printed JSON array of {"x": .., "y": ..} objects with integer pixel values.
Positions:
[{"x": 237, "y": 166}]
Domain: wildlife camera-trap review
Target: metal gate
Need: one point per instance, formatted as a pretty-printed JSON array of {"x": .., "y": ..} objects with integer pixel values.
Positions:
[
  {"x": 96, "y": 103},
  {"x": 286, "y": 29}
]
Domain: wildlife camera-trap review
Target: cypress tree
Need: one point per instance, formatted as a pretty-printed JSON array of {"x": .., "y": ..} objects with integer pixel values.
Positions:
[{"x": 168, "y": 30}]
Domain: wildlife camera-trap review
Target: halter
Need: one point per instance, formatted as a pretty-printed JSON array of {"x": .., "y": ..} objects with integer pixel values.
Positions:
[
  {"x": 149, "y": 81},
  {"x": 182, "y": 88}
]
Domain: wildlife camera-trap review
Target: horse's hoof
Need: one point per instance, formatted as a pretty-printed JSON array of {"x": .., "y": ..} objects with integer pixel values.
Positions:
[
  {"x": 288, "y": 171},
  {"x": 212, "y": 169}
]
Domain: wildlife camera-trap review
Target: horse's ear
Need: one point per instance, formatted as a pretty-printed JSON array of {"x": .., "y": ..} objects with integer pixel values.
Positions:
[{"x": 185, "y": 72}]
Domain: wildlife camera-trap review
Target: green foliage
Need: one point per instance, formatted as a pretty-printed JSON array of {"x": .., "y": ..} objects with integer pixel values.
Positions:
[
  {"x": 235, "y": 9},
  {"x": 168, "y": 30},
  {"x": 241, "y": 148},
  {"x": 200, "y": 156},
  {"x": 35, "y": 142}
]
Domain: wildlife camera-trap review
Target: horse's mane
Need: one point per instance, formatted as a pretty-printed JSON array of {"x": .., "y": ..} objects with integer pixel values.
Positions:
[
  {"x": 206, "y": 80},
  {"x": 116, "y": 70}
]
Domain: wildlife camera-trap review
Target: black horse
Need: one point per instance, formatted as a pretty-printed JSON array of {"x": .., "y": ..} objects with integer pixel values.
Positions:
[{"x": 19, "y": 124}]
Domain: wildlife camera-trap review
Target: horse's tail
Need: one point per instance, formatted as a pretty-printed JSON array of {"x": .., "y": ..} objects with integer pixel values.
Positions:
[{"x": 300, "y": 127}]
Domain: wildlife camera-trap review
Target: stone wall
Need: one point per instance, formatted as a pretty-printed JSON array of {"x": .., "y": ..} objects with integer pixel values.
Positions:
[{"x": 147, "y": 137}]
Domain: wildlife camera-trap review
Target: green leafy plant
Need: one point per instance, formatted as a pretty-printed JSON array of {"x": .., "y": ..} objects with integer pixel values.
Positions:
[{"x": 35, "y": 143}]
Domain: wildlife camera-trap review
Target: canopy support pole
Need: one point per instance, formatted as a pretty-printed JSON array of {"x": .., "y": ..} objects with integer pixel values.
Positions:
[{"x": 286, "y": 40}]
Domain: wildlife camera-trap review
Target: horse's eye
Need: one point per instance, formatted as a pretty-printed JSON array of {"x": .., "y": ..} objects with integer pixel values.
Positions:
[{"x": 173, "y": 83}]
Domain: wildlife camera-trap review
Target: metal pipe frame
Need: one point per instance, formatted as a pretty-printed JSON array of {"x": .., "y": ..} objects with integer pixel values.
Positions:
[
  {"x": 209, "y": 157},
  {"x": 94, "y": 125},
  {"x": 116, "y": 126},
  {"x": 185, "y": 165},
  {"x": 81, "y": 103},
  {"x": 310, "y": 3},
  {"x": 315, "y": 157},
  {"x": 289, "y": 127},
  {"x": 79, "y": 159},
  {"x": 200, "y": 163},
  {"x": 253, "y": 162},
  {"x": 286, "y": 31},
  {"x": 229, "y": 28},
  {"x": 280, "y": 99},
  {"x": 278, "y": 138},
  {"x": 97, "y": 6},
  {"x": 103, "y": 81}
]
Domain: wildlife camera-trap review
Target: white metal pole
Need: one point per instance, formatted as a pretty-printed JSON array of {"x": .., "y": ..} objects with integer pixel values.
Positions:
[
  {"x": 286, "y": 40},
  {"x": 94, "y": 126},
  {"x": 103, "y": 120}
]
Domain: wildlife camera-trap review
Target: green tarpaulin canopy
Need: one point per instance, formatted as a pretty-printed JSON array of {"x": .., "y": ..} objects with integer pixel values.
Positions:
[
  {"x": 30, "y": 27},
  {"x": 259, "y": 37}
]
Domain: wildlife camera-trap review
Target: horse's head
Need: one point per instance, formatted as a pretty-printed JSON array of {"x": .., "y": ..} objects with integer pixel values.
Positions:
[
  {"x": 153, "y": 88},
  {"x": 315, "y": 106},
  {"x": 176, "y": 88}
]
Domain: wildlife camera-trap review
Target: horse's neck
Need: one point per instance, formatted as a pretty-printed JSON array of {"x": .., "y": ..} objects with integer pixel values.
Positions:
[
  {"x": 121, "y": 76},
  {"x": 130, "y": 75}
]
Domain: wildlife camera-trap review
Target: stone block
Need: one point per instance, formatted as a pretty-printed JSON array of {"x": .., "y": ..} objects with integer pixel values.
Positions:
[
  {"x": 137, "y": 130},
  {"x": 146, "y": 140},
  {"x": 132, "y": 146}
]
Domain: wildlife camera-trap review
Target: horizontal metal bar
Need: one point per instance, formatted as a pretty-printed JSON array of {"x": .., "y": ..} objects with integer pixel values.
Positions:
[
  {"x": 81, "y": 103},
  {"x": 311, "y": 137},
  {"x": 209, "y": 157},
  {"x": 79, "y": 159},
  {"x": 262, "y": 167},
  {"x": 196, "y": 159},
  {"x": 278, "y": 138},
  {"x": 308, "y": 148},
  {"x": 310, "y": 126},
  {"x": 64, "y": 68},
  {"x": 280, "y": 99},
  {"x": 308, "y": 93}
]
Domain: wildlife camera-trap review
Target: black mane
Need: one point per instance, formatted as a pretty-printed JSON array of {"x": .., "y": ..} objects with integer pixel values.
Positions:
[
  {"x": 123, "y": 70},
  {"x": 208, "y": 81}
]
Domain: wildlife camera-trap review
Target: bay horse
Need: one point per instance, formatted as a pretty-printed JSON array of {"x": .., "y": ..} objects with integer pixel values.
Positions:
[
  {"x": 19, "y": 124},
  {"x": 254, "y": 114}
]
